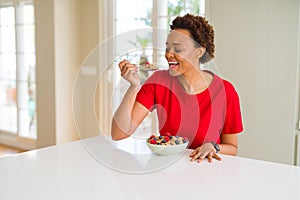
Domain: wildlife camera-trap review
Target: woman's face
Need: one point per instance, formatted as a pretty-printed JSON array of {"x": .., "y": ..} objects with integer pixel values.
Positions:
[{"x": 181, "y": 52}]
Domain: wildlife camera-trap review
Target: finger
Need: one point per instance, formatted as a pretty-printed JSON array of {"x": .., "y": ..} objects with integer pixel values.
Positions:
[
  {"x": 124, "y": 71},
  {"x": 195, "y": 156},
  {"x": 200, "y": 159},
  {"x": 193, "y": 153},
  {"x": 217, "y": 157},
  {"x": 202, "y": 156},
  {"x": 210, "y": 157},
  {"x": 122, "y": 64},
  {"x": 127, "y": 68},
  {"x": 131, "y": 66}
]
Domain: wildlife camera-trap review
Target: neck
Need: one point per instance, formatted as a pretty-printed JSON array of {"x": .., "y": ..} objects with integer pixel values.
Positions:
[{"x": 195, "y": 81}]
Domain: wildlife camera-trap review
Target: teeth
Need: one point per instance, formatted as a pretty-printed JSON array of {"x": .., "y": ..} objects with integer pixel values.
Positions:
[{"x": 173, "y": 63}]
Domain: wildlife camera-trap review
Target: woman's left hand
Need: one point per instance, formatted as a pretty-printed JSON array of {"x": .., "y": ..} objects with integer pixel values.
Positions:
[{"x": 206, "y": 150}]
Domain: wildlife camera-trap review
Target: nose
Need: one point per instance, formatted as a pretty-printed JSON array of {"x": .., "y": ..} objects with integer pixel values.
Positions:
[{"x": 169, "y": 55}]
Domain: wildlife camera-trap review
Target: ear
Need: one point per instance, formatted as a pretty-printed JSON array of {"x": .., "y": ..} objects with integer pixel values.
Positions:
[{"x": 199, "y": 52}]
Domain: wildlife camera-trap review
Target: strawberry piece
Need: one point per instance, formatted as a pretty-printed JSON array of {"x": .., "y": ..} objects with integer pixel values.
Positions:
[
  {"x": 152, "y": 141},
  {"x": 167, "y": 138},
  {"x": 152, "y": 136}
]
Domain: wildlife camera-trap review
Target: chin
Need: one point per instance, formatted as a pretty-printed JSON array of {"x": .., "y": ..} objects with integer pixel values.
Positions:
[{"x": 173, "y": 72}]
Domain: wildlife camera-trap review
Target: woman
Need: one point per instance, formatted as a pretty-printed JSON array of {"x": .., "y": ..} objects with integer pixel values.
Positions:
[{"x": 190, "y": 102}]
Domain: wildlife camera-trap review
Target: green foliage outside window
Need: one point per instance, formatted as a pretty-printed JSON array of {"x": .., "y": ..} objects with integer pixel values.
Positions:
[{"x": 181, "y": 7}]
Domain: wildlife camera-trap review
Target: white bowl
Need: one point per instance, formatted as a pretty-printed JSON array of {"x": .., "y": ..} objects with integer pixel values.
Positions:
[{"x": 166, "y": 150}]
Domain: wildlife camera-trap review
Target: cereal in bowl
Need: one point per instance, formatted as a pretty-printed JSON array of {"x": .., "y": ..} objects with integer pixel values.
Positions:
[{"x": 167, "y": 139}]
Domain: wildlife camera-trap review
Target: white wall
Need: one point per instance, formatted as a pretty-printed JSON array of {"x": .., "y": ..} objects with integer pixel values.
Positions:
[
  {"x": 86, "y": 125},
  {"x": 45, "y": 69},
  {"x": 257, "y": 49},
  {"x": 67, "y": 29}
]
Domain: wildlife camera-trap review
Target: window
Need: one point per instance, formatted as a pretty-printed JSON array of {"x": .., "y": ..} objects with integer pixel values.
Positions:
[
  {"x": 134, "y": 15},
  {"x": 155, "y": 13},
  {"x": 17, "y": 70},
  {"x": 147, "y": 14}
]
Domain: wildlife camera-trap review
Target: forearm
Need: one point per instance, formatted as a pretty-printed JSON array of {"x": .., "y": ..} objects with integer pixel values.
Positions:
[
  {"x": 122, "y": 124},
  {"x": 228, "y": 149}
]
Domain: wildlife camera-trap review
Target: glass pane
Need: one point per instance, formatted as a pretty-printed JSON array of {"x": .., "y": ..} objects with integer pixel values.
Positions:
[
  {"x": 27, "y": 111},
  {"x": 8, "y": 93},
  {"x": 7, "y": 29},
  {"x": 8, "y": 118},
  {"x": 27, "y": 71},
  {"x": 7, "y": 38},
  {"x": 26, "y": 37},
  {"x": 133, "y": 17},
  {"x": 181, "y": 7},
  {"x": 28, "y": 17},
  {"x": 26, "y": 94},
  {"x": 29, "y": 38},
  {"x": 28, "y": 121},
  {"x": 2, "y": 92},
  {"x": 7, "y": 16},
  {"x": 7, "y": 66},
  {"x": 23, "y": 96}
]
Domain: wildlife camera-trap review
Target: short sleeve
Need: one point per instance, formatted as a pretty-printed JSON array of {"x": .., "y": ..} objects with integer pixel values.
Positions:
[
  {"x": 146, "y": 95},
  {"x": 233, "y": 119}
]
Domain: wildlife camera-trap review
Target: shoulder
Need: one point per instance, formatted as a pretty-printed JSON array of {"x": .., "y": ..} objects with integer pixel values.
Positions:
[
  {"x": 227, "y": 85},
  {"x": 230, "y": 90}
]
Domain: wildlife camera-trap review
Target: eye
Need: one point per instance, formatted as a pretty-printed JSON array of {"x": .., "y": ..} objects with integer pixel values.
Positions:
[
  {"x": 167, "y": 50},
  {"x": 177, "y": 50}
]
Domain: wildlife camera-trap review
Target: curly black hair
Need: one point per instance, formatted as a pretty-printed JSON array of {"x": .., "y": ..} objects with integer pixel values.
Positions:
[{"x": 201, "y": 32}]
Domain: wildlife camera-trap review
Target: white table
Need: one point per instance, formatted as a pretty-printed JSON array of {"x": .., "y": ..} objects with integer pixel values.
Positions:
[{"x": 82, "y": 170}]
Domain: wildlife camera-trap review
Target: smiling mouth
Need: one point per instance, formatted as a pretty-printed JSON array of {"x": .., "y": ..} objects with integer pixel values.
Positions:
[{"x": 173, "y": 64}]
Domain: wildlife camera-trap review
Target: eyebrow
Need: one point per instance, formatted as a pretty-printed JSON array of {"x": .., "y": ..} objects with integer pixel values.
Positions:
[{"x": 175, "y": 44}]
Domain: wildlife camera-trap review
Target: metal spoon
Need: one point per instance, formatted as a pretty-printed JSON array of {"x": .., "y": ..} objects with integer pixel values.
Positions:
[{"x": 142, "y": 66}]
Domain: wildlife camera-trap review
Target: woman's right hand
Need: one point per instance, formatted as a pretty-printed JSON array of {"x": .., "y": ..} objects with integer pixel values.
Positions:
[{"x": 130, "y": 73}]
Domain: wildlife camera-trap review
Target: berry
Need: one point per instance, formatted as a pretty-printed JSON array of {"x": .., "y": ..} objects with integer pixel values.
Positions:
[
  {"x": 167, "y": 138},
  {"x": 152, "y": 136},
  {"x": 152, "y": 141}
]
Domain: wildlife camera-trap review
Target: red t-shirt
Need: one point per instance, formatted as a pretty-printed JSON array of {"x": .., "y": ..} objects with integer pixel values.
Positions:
[{"x": 201, "y": 117}]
